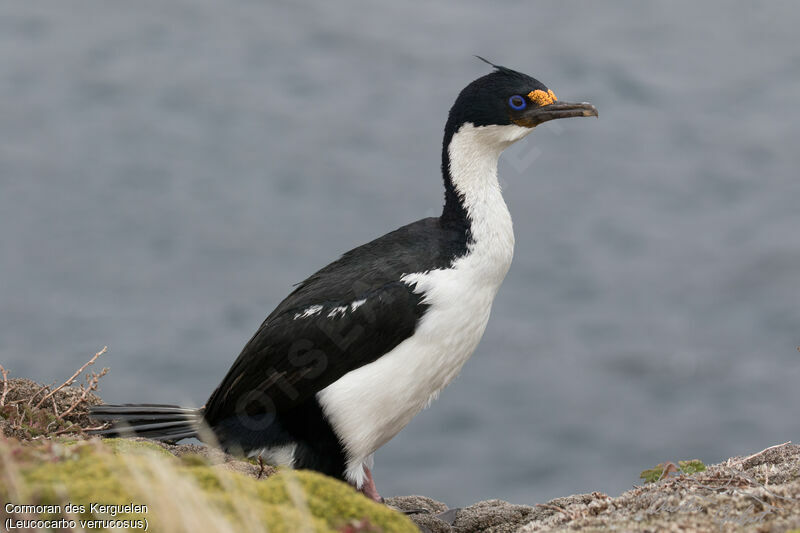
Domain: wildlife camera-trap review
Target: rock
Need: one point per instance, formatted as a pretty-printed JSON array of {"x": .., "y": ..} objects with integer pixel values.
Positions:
[
  {"x": 411, "y": 503},
  {"x": 492, "y": 516},
  {"x": 425, "y": 512},
  {"x": 760, "y": 492},
  {"x": 756, "y": 493}
]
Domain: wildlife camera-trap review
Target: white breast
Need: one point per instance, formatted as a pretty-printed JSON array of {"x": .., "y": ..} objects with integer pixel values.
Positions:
[{"x": 370, "y": 405}]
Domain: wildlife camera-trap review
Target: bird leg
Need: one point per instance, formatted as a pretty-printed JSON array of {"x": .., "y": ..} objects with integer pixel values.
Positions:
[{"x": 368, "y": 488}]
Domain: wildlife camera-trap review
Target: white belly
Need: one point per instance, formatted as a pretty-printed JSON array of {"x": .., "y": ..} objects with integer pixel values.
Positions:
[{"x": 370, "y": 405}]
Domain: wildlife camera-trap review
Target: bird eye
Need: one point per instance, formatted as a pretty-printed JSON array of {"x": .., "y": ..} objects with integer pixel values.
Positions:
[{"x": 516, "y": 102}]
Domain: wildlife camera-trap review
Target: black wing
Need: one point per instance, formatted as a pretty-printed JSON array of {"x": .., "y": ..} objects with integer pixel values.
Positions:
[{"x": 345, "y": 316}]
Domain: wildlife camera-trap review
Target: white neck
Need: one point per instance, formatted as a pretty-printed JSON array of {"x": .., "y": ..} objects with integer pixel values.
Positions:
[{"x": 473, "y": 153}]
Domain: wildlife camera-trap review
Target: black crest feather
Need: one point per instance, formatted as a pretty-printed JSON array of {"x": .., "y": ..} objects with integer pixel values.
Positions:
[
  {"x": 501, "y": 68},
  {"x": 488, "y": 62}
]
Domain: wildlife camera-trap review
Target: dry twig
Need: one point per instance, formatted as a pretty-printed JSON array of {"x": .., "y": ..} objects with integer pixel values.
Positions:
[
  {"x": 552, "y": 508},
  {"x": 669, "y": 468},
  {"x": 91, "y": 385},
  {"x": 72, "y": 378},
  {"x": 77, "y": 428},
  {"x": 571, "y": 515},
  {"x": 260, "y": 466},
  {"x": 4, "y": 372},
  {"x": 765, "y": 450}
]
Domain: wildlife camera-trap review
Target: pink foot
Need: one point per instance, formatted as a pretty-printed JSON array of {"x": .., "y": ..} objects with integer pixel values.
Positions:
[{"x": 368, "y": 489}]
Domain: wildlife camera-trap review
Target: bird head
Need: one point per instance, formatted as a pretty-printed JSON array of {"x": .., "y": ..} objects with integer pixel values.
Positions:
[{"x": 507, "y": 105}]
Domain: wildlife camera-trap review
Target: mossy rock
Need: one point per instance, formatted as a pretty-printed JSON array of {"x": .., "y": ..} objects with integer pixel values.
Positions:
[{"x": 182, "y": 495}]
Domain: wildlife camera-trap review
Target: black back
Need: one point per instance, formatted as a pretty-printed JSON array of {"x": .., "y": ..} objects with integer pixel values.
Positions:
[{"x": 292, "y": 357}]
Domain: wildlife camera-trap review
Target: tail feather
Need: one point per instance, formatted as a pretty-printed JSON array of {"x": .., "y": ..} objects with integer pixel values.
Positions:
[
  {"x": 142, "y": 408},
  {"x": 153, "y": 421}
]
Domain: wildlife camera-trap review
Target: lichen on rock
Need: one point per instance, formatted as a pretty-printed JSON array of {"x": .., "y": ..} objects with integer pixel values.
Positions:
[{"x": 760, "y": 492}]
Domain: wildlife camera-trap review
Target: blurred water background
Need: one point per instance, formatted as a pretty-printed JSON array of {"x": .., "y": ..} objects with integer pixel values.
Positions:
[{"x": 168, "y": 169}]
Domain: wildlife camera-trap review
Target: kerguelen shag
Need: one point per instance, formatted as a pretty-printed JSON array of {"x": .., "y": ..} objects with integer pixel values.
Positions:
[{"x": 360, "y": 347}]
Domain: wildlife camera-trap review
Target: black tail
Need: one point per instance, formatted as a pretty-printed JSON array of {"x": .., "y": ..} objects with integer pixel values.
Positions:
[{"x": 153, "y": 421}]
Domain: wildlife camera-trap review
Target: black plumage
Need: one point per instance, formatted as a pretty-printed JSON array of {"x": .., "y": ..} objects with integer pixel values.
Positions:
[{"x": 267, "y": 398}]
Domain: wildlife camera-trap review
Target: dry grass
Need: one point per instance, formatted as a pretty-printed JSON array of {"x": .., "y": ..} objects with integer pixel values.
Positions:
[{"x": 29, "y": 410}]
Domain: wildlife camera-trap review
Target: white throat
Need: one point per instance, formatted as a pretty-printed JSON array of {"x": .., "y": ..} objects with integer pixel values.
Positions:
[{"x": 473, "y": 154}]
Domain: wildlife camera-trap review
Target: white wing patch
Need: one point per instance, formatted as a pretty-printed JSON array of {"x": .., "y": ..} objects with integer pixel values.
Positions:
[
  {"x": 336, "y": 312},
  {"x": 309, "y": 311},
  {"x": 358, "y": 303}
]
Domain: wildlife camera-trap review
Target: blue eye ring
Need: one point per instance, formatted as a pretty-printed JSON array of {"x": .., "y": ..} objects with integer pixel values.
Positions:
[{"x": 517, "y": 102}]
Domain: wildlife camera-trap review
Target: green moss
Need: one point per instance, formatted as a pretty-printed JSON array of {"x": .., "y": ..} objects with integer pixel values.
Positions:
[
  {"x": 33, "y": 422},
  {"x": 186, "y": 494},
  {"x": 136, "y": 447},
  {"x": 651, "y": 475},
  {"x": 194, "y": 460},
  {"x": 85, "y": 478},
  {"x": 688, "y": 468},
  {"x": 327, "y": 497},
  {"x": 691, "y": 467}
]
